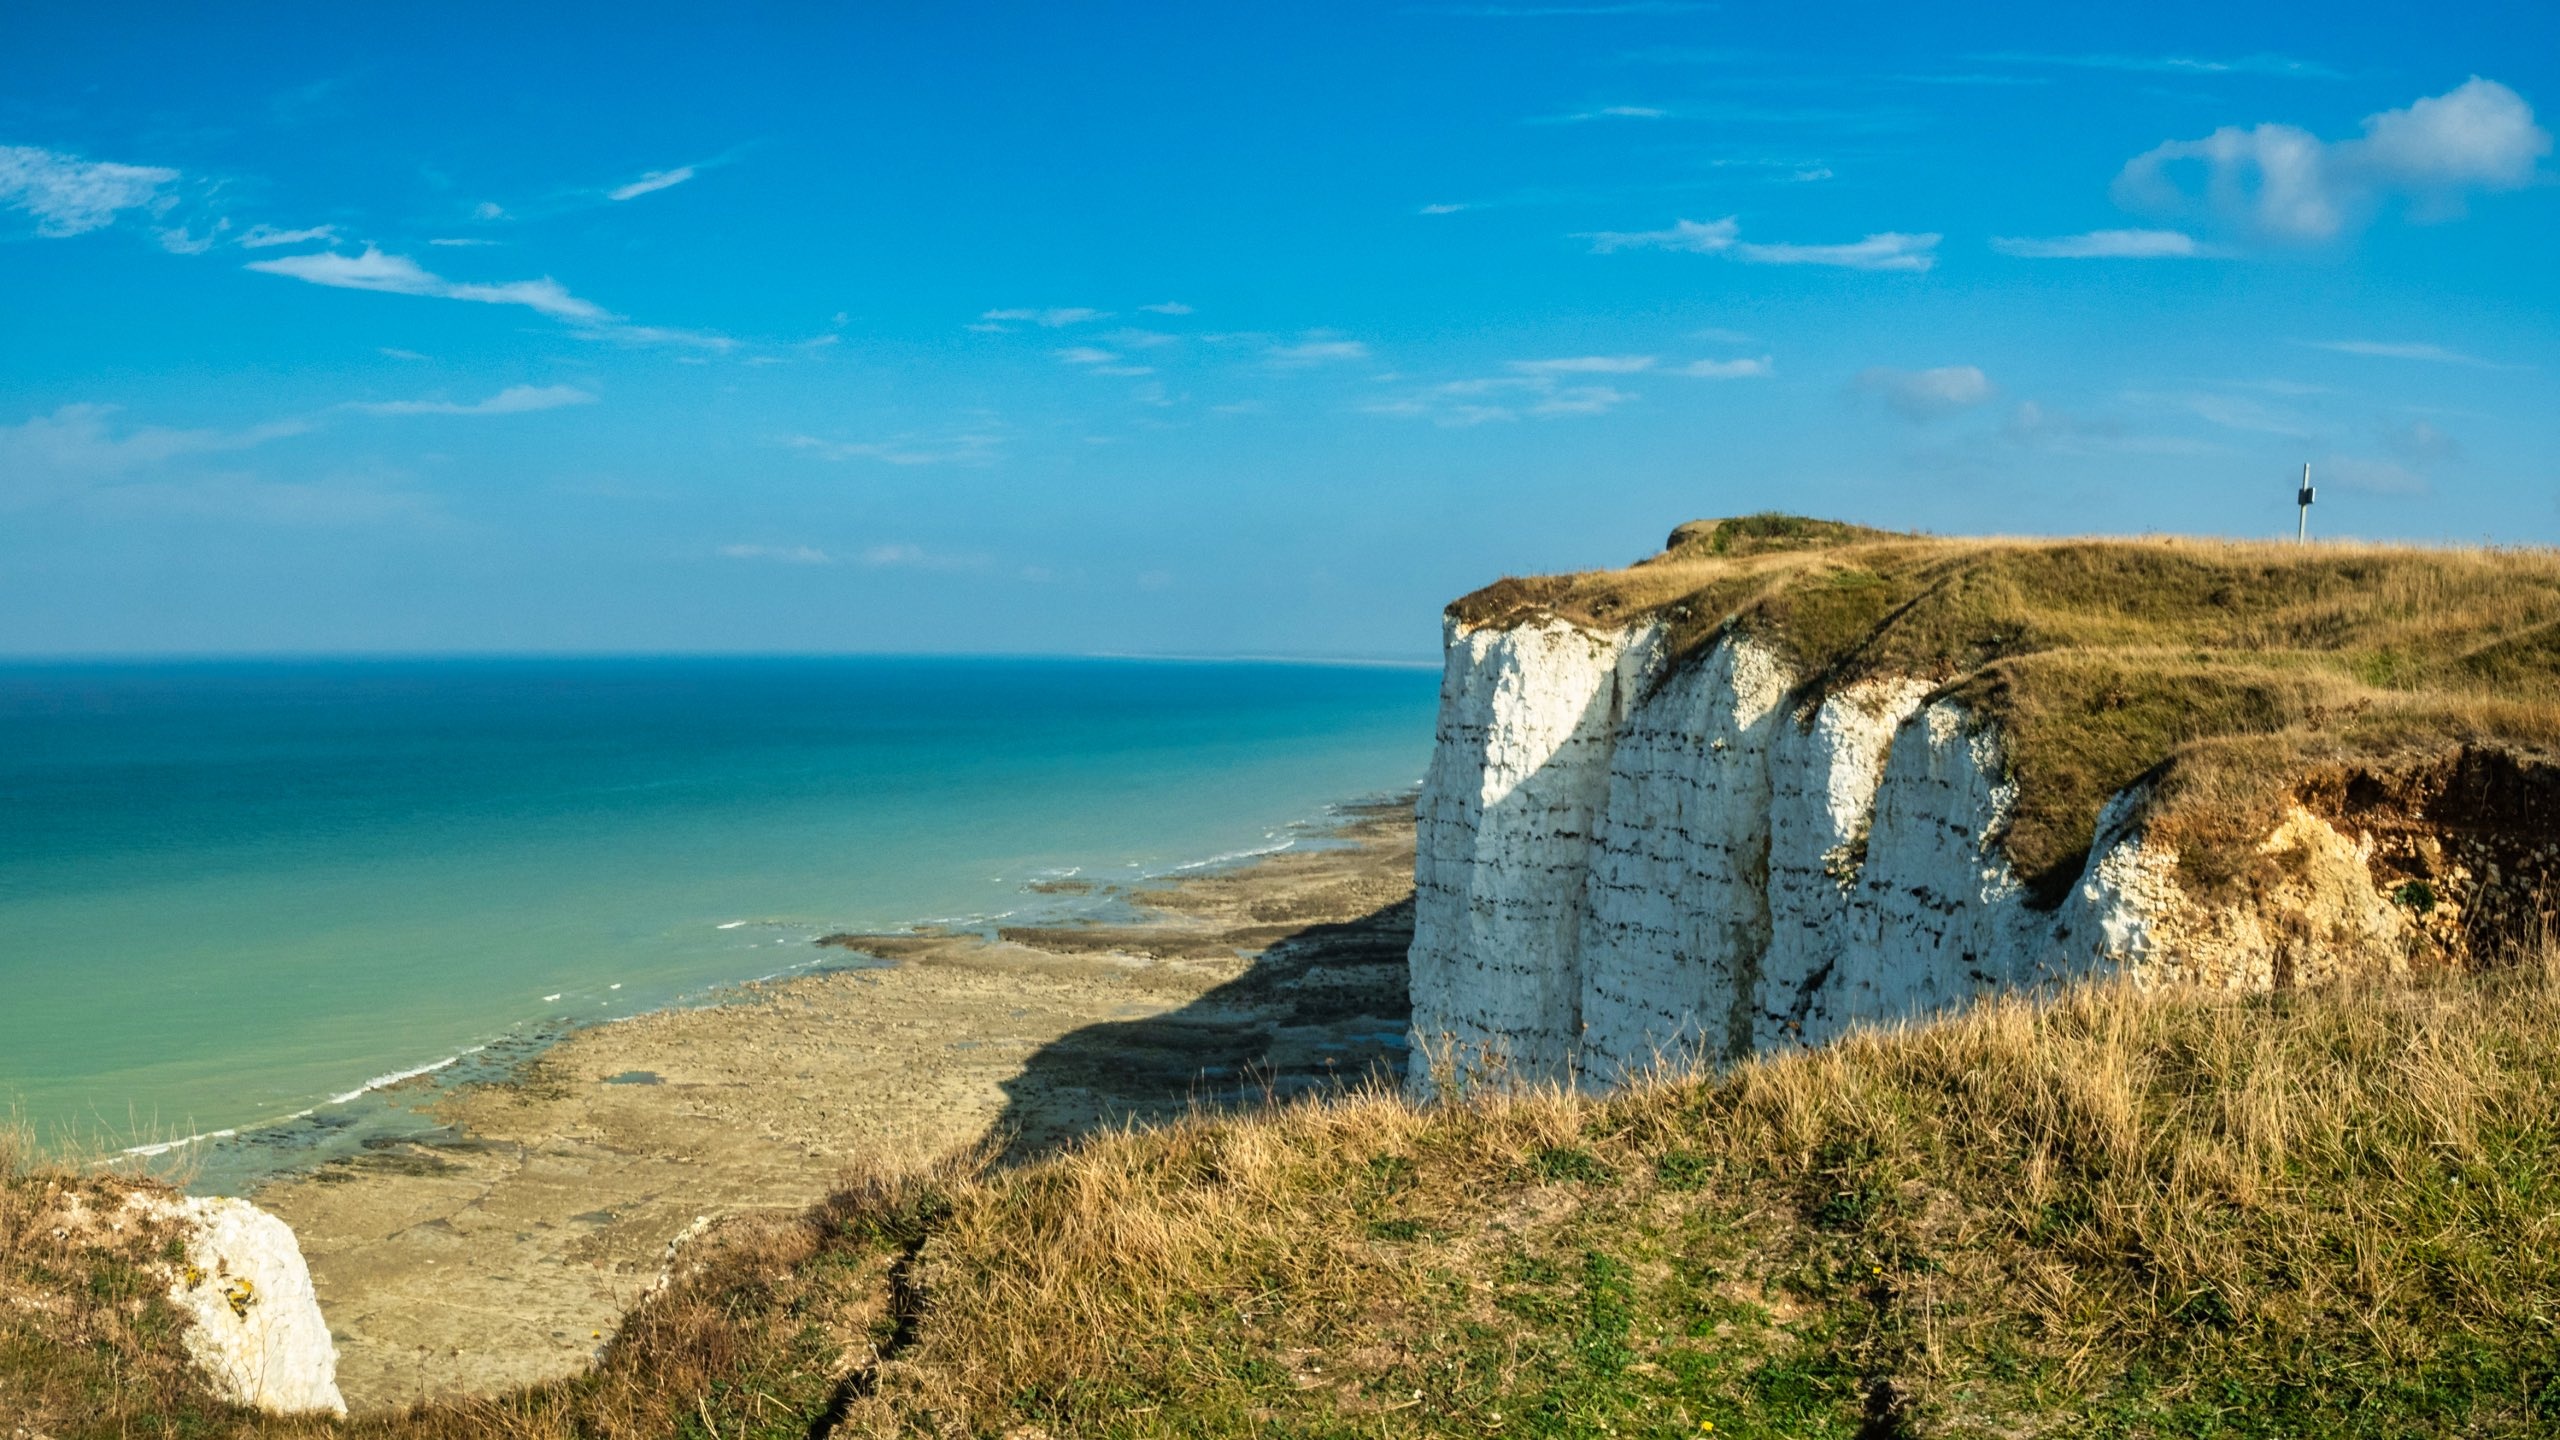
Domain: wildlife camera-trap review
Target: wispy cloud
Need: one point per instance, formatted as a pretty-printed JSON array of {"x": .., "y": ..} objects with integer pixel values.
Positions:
[
  {"x": 1753, "y": 368},
  {"x": 888, "y": 555},
  {"x": 2401, "y": 350},
  {"x": 970, "y": 448},
  {"x": 2281, "y": 182},
  {"x": 651, "y": 182},
  {"x": 2059, "y": 432},
  {"x": 778, "y": 554},
  {"x": 620, "y": 332},
  {"x": 400, "y": 275},
  {"x": 514, "y": 400},
  {"x": 1890, "y": 250},
  {"x": 1710, "y": 238},
  {"x": 1584, "y": 365},
  {"x": 1101, "y": 361},
  {"x": 2107, "y": 245},
  {"x": 1886, "y": 250},
  {"x": 1535, "y": 389},
  {"x": 71, "y": 196},
  {"x": 2244, "y": 413},
  {"x": 1167, "y": 307},
  {"x": 261, "y": 237},
  {"x": 82, "y": 455},
  {"x": 1315, "y": 349},
  {"x": 82, "y": 440},
  {"x": 1053, "y": 318},
  {"x": 2173, "y": 64},
  {"x": 1605, "y": 112},
  {"x": 1922, "y": 396}
]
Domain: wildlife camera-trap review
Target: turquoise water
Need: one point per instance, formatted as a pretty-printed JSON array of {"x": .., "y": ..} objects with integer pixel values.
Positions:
[{"x": 231, "y": 893}]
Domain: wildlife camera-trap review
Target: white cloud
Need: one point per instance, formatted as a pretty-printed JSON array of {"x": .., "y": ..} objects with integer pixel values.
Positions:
[
  {"x": 1440, "y": 209},
  {"x": 394, "y": 352},
  {"x": 1890, "y": 250},
  {"x": 80, "y": 455},
  {"x": 1086, "y": 355},
  {"x": 2106, "y": 245},
  {"x": 2244, "y": 413},
  {"x": 260, "y": 237},
  {"x": 1316, "y": 350},
  {"x": 179, "y": 240},
  {"x": 779, "y": 554},
  {"x": 71, "y": 196},
  {"x": 2398, "y": 350},
  {"x": 616, "y": 332},
  {"x": 400, "y": 275},
  {"x": 1886, "y": 250},
  {"x": 653, "y": 181},
  {"x": 1535, "y": 388},
  {"x": 1608, "y": 112},
  {"x": 1582, "y": 400},
  {"x": 2283, "y": 182},
  {"x": 2059, "y": 432},
  {"x": 2175, "y": 64},
  {"x": 1585, "y": 365},
  {"x": 885, "y": 556},
  {"x": 1051, "y": 319},
  {"x": 459, "y": 241},
  {"x": 514, "y": 400},
  {"x": 1167, "y": 307},
  {"x": 488, "y": 210},
  {"x": 1708, "y": 239},
  {"x": 974, "y": 448},
  {"x": 1750, "y": 369},
  {"x": 1142, "y": 339},
  {"x": 2373, "y": 477},
  {"x": 79, "y": 440},
  {"x": 1925, "y": 395}
]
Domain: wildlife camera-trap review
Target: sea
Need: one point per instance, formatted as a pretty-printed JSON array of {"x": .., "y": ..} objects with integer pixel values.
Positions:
[{"x": 242, "y": 901}]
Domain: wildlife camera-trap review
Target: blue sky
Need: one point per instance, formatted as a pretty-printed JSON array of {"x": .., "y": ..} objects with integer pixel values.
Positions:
[{"x": 1217, "y": 329}]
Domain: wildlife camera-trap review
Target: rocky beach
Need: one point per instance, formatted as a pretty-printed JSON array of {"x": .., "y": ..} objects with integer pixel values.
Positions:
[{"x": 501, "y": 1249}]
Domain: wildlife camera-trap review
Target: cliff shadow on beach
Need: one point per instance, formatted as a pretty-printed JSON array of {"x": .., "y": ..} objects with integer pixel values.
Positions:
[{"x": 1321, "y": 1003}]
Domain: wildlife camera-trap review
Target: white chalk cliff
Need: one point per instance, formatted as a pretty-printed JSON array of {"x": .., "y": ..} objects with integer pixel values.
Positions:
[
  {"x": 255, "y": 1329},
  {"x": 1624, "y": 863}
]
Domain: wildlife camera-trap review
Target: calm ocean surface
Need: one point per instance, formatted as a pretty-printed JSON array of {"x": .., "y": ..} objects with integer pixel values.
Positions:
[{"x": 231, "y": 892}]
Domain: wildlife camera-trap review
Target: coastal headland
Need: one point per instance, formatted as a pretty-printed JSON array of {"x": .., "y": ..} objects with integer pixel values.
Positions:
[{"x": 503, "y": 1250}]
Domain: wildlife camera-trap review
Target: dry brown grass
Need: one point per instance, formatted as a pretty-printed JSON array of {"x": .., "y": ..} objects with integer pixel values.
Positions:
[
  {"x": 2108, "y": 1212},
  {"x": 2224, "y": 670}
]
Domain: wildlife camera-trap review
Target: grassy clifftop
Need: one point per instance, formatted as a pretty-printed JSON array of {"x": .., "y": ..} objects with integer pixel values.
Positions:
[
  {"x": 2418, "y": 687},
  {"x": 2106, "y": 1214}
]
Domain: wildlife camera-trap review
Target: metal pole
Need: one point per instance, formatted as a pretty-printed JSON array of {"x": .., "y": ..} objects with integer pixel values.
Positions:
[{"x": 2302, "y": 517}]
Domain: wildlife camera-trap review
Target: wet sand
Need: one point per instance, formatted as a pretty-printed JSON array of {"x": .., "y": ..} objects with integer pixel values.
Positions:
[{"x": 499, "y": 1251}]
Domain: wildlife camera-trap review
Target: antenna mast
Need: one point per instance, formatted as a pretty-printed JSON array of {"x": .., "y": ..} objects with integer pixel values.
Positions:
[{"x": 2302, "y": 498}]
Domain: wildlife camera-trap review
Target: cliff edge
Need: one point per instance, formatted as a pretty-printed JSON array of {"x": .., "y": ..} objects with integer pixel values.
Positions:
[{"x": 1789, "y": 776}]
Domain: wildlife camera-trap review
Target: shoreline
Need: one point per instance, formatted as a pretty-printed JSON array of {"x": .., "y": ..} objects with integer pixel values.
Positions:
[
  {"x": 506, "y": 1229},
  {"x": 243, "y": 1157}
]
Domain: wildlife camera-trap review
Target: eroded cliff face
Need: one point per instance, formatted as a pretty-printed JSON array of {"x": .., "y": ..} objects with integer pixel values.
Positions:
[
  {"x": 1624, "y": 863},
  {"x": 256, "y": 1331}
]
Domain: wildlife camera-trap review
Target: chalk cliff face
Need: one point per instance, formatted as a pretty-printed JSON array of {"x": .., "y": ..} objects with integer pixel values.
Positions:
[
  {"x": 1625, "y": 863},
  {"x": 256, "y": 1331}
]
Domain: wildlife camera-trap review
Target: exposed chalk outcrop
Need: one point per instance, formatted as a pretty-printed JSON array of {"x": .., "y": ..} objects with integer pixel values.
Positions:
[
  {"x": 256, "y": 1331},
  {"x": 1625, "y": 863}
]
